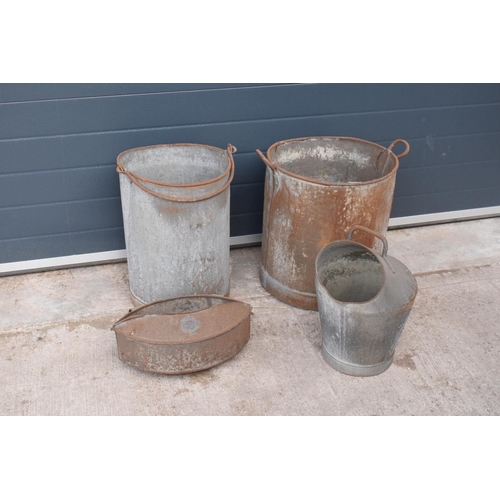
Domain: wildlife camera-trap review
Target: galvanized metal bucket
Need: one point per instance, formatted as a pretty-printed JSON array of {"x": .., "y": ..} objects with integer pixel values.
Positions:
[
  {"x": 364, "y": 301},
  {"x": 184, "y": 334},
  {"x": 175, "y": 202},
  {"x": 316, "y": 189}
]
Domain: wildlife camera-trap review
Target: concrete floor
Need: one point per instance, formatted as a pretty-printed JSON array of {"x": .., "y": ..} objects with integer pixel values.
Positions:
[{"x": 58, "y": 355}]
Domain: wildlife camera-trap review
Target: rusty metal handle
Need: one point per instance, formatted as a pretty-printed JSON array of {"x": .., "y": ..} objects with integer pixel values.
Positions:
[
  {"x": 265, "y": 160},
  {"x": 373, "y": 233},
  {"x": 402, "y": 141},
  {"x": 135, "y": 179}
]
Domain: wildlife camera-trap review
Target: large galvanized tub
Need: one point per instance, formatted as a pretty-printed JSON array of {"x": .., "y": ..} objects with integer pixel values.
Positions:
[
  {"x": 364, "y": 301},
  {"x": 316, "y": 189},
  {"x": 184, "y": 334},
  {"x": 175, "y": 202}
]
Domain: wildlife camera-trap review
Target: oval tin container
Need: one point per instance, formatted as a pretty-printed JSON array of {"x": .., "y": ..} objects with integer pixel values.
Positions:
[{"x": 184, "y": 334}]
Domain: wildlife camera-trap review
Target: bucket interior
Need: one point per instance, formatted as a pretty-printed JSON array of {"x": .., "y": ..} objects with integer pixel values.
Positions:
[
  {"x": 350, "y": 273},
  {"x": 334, "y": 160},
  {"x": 176, "y": 164}
]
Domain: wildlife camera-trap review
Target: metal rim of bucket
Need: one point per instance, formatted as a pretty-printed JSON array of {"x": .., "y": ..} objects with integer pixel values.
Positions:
[
  {"x": 338, "y": 243},
  {"x": 134, "y": 178},
  {"x": 274, "y": 166}
]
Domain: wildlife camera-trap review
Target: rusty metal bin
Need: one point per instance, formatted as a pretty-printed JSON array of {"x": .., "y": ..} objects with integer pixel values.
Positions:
[
  {"x": 183, "y": 334},
  {"x": 364, "y": 301},
  {"x": 316, "y": 188},
  {"x": 175, "y": 203}
]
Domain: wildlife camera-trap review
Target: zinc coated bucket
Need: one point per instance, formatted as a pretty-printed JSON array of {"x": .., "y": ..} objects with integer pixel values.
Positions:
[
  {"x": 364, "y": 301},
  {"x": 316, "y": 188},
  {"x": 175, "y": 203}
]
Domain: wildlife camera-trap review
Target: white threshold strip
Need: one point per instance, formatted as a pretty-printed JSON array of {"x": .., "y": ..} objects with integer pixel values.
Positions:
[{"x": 67, "y": 261}]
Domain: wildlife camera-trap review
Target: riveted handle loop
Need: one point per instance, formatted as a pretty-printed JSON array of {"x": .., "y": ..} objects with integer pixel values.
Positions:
[{"x": 402, "y": 141}]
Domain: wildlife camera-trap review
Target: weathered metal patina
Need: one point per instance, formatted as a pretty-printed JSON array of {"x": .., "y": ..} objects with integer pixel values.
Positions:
[
  {"x": 316, "y": 188},
  {"x": 175, "y": 202},
  {"x": 364, "y": 301},
  {"x": 184, "y": 334}
]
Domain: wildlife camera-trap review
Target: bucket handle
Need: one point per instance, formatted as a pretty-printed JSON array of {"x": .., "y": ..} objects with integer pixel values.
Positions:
[
  {"x": 373, "y": 233},
  {"x": 265, "y": 160},
  {"x": 230, "y": 150},
  {"x": 402, "y": 141}
]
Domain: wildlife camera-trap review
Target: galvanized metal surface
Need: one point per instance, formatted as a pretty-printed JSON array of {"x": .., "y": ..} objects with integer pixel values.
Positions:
[
  {"x": 364, "y": 301},
  {"x": 317, "y": 188},
  {"x": 175, "y": 202},
  {"x": 184, "y": 334}
]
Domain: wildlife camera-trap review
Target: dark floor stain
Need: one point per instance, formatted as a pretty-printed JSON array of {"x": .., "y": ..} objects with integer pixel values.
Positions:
[
  {"x": 181, "y": 391},
  {"x": 101, "y": 323},
  {"x": 203, "y": 378},
  {"x": 405, "y": 361}
]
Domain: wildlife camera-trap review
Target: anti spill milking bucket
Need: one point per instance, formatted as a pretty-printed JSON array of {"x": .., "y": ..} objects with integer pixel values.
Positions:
[
  {"x": 175, "y": 203},
  {"x": 364, "y": 301},
  {"x": 184, "y": 334},
  {"x": 316, "y": 188}
]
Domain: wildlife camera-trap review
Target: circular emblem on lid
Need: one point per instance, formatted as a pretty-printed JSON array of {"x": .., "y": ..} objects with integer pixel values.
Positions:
[{"x": 190, "y": 324}]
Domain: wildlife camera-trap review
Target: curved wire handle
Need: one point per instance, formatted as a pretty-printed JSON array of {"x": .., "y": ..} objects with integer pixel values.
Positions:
[
  {"x": 373, "y": 233},
  {"x": 135, "y": 180},
  {"x": 264, "y": 158},
  {"x": 402, "y": 141},
  {"x": 377, "y": 235}
]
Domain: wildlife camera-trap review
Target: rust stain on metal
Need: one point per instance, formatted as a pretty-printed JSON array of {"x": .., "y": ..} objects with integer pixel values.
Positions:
[
  {"x": 184, "y": 334},
  {"x": 316, "y": 188}
]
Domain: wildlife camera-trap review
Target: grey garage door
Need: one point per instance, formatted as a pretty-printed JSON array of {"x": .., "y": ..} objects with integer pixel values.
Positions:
[{"x": 59, "y": 192}]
